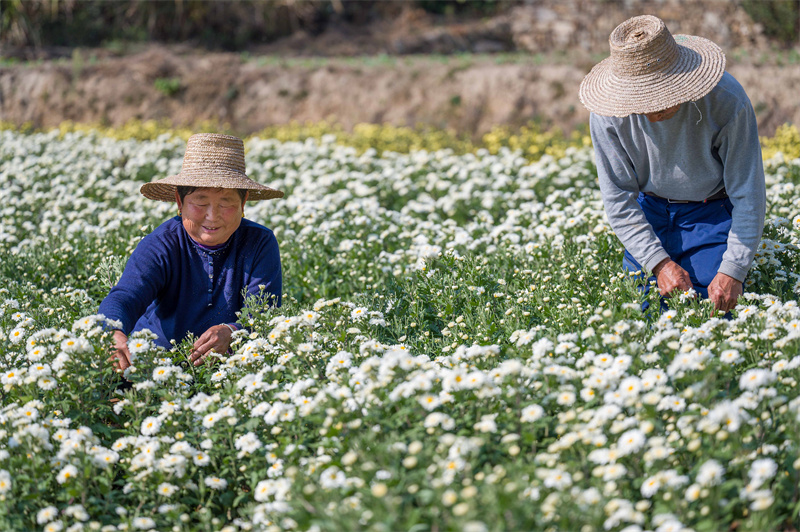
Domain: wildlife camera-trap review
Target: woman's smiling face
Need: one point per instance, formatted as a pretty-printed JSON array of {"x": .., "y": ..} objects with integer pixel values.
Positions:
[{"x": 211, "y": 215}]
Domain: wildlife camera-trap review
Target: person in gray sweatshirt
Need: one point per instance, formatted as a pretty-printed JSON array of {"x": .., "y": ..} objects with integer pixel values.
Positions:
[{"x": 678, "y": 160}]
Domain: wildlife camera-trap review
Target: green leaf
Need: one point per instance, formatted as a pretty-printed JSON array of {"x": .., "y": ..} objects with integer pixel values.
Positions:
[{"x": 707, "y": 525}]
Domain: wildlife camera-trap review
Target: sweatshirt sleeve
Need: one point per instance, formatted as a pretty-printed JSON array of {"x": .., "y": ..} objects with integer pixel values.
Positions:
[
  {"x": 145, "y": 274},
  {"x": 743, "y": 174},
  {"x": 620, "y": 191}
]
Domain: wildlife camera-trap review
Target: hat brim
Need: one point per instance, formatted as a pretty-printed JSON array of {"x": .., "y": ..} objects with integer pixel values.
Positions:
[
  {"x": 698, "y": 69},
  {"x": 164, "y": 189}
]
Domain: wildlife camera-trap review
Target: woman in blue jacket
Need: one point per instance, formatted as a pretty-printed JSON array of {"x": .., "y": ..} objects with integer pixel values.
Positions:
[{"x": 192, "y": 273}]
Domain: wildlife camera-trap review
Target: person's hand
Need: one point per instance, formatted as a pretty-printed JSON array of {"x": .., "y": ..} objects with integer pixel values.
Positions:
[
  {"x": 724, "y": 291},
  {"x": 119, "y": 352},
  {"x": 216, "y": 338},
  {"x": 670, "y": 277}
]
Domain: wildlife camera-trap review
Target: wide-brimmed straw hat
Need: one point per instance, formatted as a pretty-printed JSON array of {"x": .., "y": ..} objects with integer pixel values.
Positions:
[
  {"x": 649, "y": 70},
  {"x": 211, "y": 160}
]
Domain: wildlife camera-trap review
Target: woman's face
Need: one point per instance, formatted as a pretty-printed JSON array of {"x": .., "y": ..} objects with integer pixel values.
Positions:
[{"x": 211, "y": 215}]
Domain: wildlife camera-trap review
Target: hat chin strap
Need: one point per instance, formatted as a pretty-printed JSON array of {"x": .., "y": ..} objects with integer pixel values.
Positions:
[{"x": 699, "y": 112}]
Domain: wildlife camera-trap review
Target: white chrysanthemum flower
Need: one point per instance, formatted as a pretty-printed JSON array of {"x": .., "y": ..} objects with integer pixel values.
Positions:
[
  {"x": 216, "y": 483},
  {"x": 162, "y": 373},
  {"x": 46, "y": 383},
  {"x": 77, "y": 511},
  {"x": 66, "y": 474},
  {"x": 106, "y": 458},
  {"x": 762, "y": 499},
  {"x": 74, "y": 345},
  {"x": 358, "y": 313},
  {"x": 138, "y": 346},
  {"x": 630, "y": 442},
  {"x": 557, "y": 479},
  {"x": 614, "y": 471},
  {"x": 201, "y": 459},
  {"x": 710, "y": 473},
  {"x": 16, "y": 335},
  {"x": 342, "y": 359},
  {"x": 429, "y": 401},
  {"x": 275, "y": 469},
  {"x": 487, "y": 424},
  {"x": 210, "y": 420},
  {"x": 650, "y": 486},
  {"x": 531, "y": 413},
  {"x": 165, "y": 489},
  {"x": 630, "y": 387},
  {"x": 332, "y": 478},
  {"x": 248, "y": 443},
  {"x": 37, "y": 353},
  {"x": 276, "y": 489},
  {"x": 435, "y": 419},
  {"x": 144, "y": 523},
  {"x": 150, "y": 426},
  {"x": 693, "y": 493},
  {"x": 54, "y": 526},
  {"x": 763, "y": 469},
  {"x": 12, "y": 376},
  {"x": 755, "y": 378},
  {"x": 46, "y": 514},
  {"x": 218, "y": 376},
  {"x": 730, "y": 356},
  {"x": 5, "y": 481},
  {"x": 671, "y": 402}
]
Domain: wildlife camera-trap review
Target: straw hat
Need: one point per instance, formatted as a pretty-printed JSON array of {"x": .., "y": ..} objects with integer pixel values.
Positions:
[
  {"x": 649, "y": 70},
  {"x": 211, "y": 160}
]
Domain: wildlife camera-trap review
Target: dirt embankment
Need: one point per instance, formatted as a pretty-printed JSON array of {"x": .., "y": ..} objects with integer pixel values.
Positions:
[
  {"x": 549, "y": 47},
  {"x": 468, "y": 95}
]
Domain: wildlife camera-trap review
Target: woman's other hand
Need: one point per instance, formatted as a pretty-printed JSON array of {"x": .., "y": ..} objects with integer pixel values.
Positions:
[
  {"x": 216, "y": 338},
  {"x": 119, "y": 352}
]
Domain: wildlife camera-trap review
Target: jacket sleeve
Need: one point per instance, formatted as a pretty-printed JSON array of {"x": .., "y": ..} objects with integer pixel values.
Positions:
[
  {"x": 265, "y": 279},
  {"x": 144, "y": 276},
  {"x": 743, "y": 173},
  {"x": 620, "y": 190}
]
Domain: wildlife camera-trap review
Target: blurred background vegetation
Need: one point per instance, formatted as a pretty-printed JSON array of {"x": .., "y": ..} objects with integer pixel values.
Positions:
[
  {"x": 228, "y": 25},
  {"x": 236, "y": 24}
]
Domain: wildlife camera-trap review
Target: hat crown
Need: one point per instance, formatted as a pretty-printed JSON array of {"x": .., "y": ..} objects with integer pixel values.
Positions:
[
  {"x": 642, "y": 45},
  {"x": 211, "y": 151}
]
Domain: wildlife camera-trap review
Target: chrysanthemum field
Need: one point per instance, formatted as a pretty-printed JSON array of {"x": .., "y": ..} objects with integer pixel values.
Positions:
[{"x": 457, "y": 350}]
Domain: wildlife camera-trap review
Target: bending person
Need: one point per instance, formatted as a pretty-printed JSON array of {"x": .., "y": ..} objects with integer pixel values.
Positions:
[
  {"x": 678, "y": 160},
  {"x": 192, "y": 273}
]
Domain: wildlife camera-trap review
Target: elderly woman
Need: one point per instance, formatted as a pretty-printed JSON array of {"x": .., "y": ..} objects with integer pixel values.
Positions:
[{"x": 192, "y": 273}]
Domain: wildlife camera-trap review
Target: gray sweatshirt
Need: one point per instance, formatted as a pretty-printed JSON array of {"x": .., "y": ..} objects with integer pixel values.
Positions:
[{"x": 691, "y": 156}]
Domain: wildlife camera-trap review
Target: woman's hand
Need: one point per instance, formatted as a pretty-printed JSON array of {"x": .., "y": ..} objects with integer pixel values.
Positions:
[
  {"x": 119, "y": 352},
  {"x": 216, "y": 339}
]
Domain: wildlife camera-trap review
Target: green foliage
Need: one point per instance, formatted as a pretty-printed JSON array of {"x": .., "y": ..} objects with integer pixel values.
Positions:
[
  {"x": 780, "y": 18},
  {"x": 168, "y": 86},
  {"x": 216, "y": 25},
  {"x": 460, "y": 7}
]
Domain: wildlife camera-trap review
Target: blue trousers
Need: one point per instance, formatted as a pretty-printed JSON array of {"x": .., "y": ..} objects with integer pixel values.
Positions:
[{"x": 695, "y": 235}]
